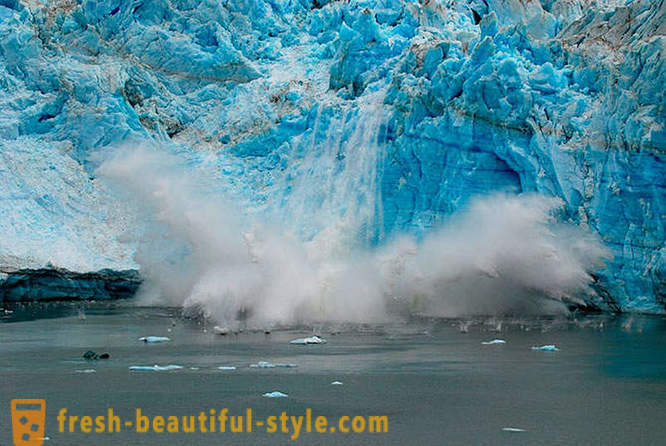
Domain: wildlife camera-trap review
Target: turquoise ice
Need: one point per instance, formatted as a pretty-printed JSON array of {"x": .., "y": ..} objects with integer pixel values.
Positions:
[{"x": 395, "y": 112}]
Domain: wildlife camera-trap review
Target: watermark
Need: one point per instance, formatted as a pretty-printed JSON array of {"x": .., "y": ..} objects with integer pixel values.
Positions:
[{"x": 28, "y": 419}]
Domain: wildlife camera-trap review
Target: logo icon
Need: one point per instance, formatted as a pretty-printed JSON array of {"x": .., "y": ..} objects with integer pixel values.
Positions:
[{"x": 28, "y": 417}]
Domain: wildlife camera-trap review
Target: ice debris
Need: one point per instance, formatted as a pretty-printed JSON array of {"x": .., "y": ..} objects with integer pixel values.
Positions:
[
  {"x": 310, "y": 340},
  {"x": 154, "y": 339},
  {"x": 86, "y": 371},
  {"x": 227, "y": 367},
  {"x": 91, "y": 355},
  {"x": 222, "y": 331},
  {"x": 271, "y": 365},
  {"x": 154, "y": 368},
  {"x": 275, "y": 394},
  {"x": 546, "y": 348},
  {"x": 513, "y": 429},
  {"x": 494, "y": 341}
]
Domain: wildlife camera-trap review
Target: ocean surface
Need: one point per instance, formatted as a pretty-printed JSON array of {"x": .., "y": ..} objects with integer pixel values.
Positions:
[{"x": 433, "y": 378}]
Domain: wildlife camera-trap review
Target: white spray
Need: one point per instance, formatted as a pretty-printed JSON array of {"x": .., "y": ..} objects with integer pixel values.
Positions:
[{"x": 501, "y": 254}]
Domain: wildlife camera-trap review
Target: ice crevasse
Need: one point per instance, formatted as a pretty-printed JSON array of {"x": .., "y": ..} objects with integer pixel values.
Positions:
[{"x": 432, "y": 102}]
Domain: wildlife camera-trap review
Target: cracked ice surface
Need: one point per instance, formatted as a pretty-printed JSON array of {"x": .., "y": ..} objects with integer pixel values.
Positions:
[{"x": 561, "y": 97}]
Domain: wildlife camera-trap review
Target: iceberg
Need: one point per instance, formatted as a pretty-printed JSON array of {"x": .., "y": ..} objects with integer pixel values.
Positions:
[
  {"x": 546, "y": 348},
  {"x": 513, "y": 429},
  {"x": 307, "y": 341},
  {"x": 336, "y": 383},
  {"x": 154, "y": 339},
  {"x": 226, "y": 367},
  {"x": 275, "y": 394},
  {"x": 154, "y": 368}
]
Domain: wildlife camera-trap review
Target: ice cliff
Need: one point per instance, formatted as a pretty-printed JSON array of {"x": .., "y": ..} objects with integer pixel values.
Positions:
[{"x": 408, "y": 108}]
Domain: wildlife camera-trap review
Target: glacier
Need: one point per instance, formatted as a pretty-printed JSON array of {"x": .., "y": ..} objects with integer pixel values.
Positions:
[{"x": 395, "y": 112}]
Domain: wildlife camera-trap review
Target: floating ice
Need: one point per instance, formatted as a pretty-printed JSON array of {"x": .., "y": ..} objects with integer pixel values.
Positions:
[
  {"x": 513, "y": 429},
  {"x": 227, "y": 367},
  {"x": 494, "y": 341},
  {"x": 154, "y": 339},
  {"x": 271, "y": 365},
  {"x": 154, "y": 368},
  {"x": 86, "y": 371},
  {"x": 310, "y": 340},
  {"x": 546, "y": 348},
  {"x": 222, "y": 331},
  {"x": 336, "y": 383},
  {"x": 275, "y": 394},
  {"x": 91, "y": 355}
]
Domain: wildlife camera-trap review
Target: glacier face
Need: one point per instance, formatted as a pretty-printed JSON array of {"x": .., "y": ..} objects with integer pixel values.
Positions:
[{"x": 407, "y": 109}]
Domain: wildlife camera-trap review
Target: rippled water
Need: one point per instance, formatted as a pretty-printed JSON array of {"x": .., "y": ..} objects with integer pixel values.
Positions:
[{"x": 436, "y": 384}]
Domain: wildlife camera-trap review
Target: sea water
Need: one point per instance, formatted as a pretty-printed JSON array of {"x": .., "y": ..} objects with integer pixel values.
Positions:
[{"x": 606, "y": 384}]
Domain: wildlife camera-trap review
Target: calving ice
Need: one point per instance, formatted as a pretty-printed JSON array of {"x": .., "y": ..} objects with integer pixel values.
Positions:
[
  {"x": 355, "y": 207},
  {"x": 222, "y": 421},
  {"x": 501, "y": 254},
  {"x": 345, "y": 125}
]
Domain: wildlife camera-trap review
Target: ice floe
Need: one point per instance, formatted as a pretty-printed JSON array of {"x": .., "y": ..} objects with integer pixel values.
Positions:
[
  {"x": 546, "y": 348},
  {"x": 154, "y": 339},
  {"x": 275, "y": 394},
  {"x": 154, "y": 368},
  {"x": 222, "y": 331},
  {"x": 494, "y": 341},
  {"x": 310, "y": 340}
]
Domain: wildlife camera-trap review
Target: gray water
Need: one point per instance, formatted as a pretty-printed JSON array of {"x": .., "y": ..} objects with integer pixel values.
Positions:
[{"x": 437, "y": 385}]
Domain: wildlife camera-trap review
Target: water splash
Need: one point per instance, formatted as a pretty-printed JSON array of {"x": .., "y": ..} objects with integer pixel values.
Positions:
[{"x": 502, "y": 254}]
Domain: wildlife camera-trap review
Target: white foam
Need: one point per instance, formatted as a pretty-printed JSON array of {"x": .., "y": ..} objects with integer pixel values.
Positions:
[{"x": 500, "y": 254}]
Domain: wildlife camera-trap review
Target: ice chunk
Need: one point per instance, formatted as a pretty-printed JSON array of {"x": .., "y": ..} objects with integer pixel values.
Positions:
[
  {"x": 494, "y": 341},
  {"x": 154, "y": 368},
  {"x": 310, "y": 340},
  {"x": 546, "y": 348},
  {"x": 336, "y": 383},
  {"x": 91, "y": 355},
  {"x": 227, "y": 367},
  {"x": 271, "y": 365},
  {"x": 513, "y": 429},
  {"x": 275, "y": 394},
  {"x": 154, "y": 339},
  {"x": 222, "y": 331},
  {"x": 86, "y": 371}
]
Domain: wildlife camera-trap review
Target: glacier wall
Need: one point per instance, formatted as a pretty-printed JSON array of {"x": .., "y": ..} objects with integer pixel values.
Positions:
[{"x": 393, "y": 112}]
